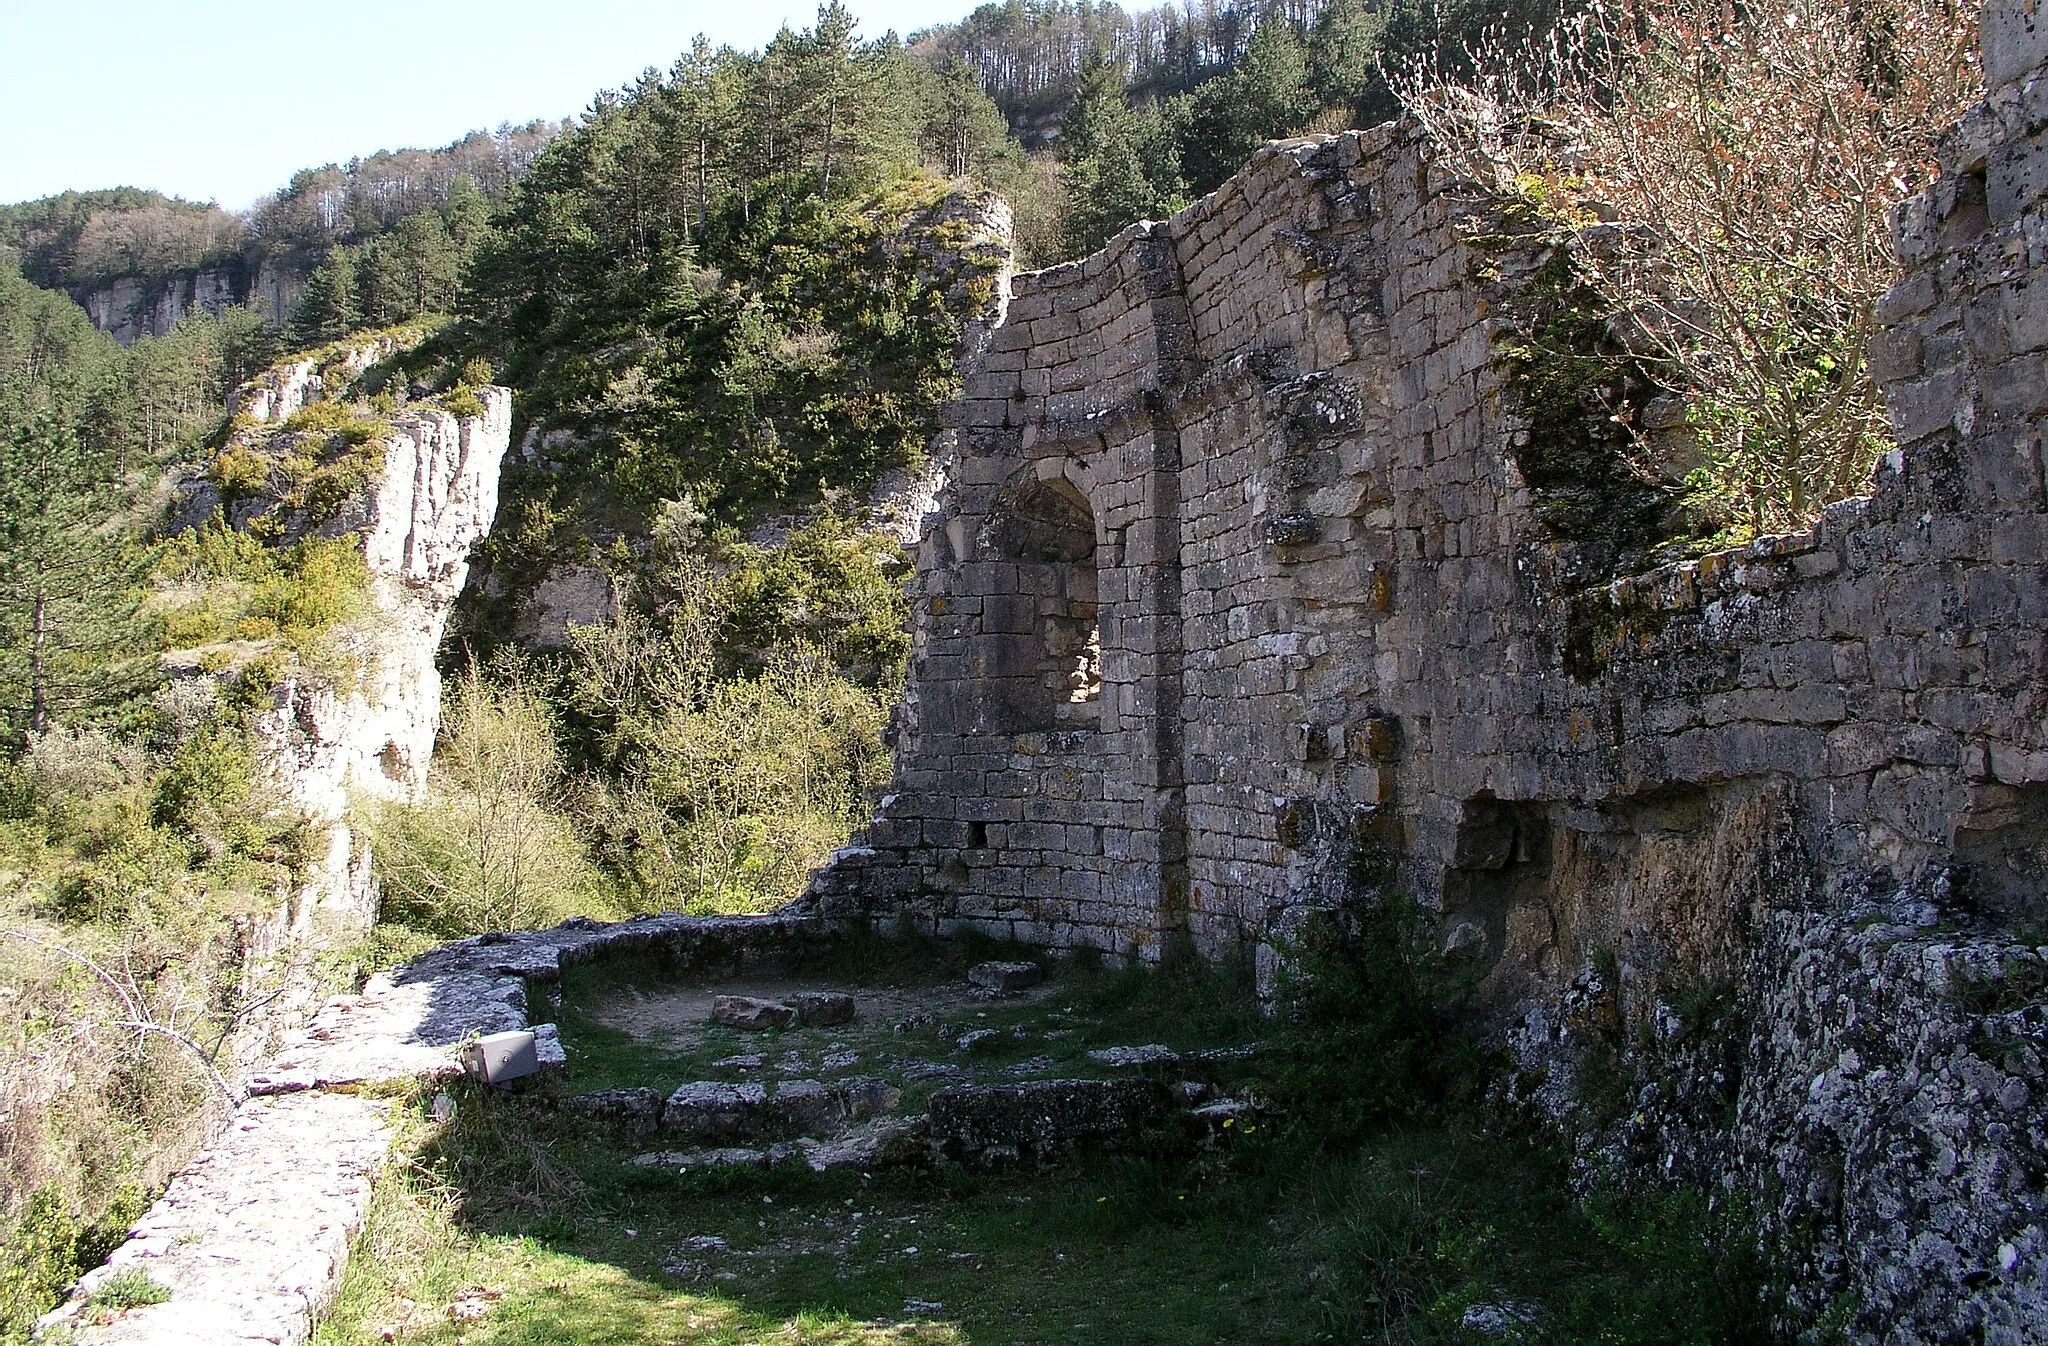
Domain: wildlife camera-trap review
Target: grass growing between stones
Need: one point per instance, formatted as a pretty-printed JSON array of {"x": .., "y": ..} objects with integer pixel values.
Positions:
[{"x": 514, "y": 1222}]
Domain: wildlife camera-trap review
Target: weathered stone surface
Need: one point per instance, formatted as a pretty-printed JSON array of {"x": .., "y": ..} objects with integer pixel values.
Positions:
[
  {"x": 706, "y": 1110},
  {"x": 822, "y": 1009},
  {"x": 1047, "y": 1117},
  {"x": 1152, "y": 1054},
  {"x": 1005, "y": 977},
  {"x": 253, "y": 1236},
  {"x": 631, "y": 1109},
  {"x": 754, "y": 1015}
]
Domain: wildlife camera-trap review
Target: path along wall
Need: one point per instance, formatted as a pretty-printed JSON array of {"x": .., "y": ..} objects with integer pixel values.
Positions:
[{"x": 1241, "y": 603}]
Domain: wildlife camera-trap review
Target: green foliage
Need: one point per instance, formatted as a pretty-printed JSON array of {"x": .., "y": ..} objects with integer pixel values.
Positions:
[
  {"x": 1121, "y": 165},
  {"x": 128, "y": 1288},
  {"x": 787, "y": 352},
  {"x": 47, "y": 1247},
  {"x": 1269, "y": 93},
  {"x": 86, "y": 236},
  {"x": 205, "y": 788},
  {"x": 329, "y": 307},
  {"x": 1369, "y": 1034},
  {"x": 71, "y": 641},
  {"x": 225, "y": 584},
  {"x": 490, "y": 848},
  {"x": 831, "y": 586},
  {"x": 726, "y": 804}
]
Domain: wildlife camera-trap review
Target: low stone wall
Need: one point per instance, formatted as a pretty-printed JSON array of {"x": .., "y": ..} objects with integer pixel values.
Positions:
[{"x": 252, "y": 1239}]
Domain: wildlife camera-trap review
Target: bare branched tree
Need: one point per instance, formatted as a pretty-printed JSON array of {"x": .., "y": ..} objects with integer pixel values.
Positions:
[
  {"x": 1753, "y": 154},
  {"x": 143, "y": 1010}
]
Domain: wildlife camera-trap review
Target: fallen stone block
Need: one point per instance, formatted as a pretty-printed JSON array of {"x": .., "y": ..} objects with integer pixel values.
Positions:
[
  {"x": 750, "y": 1061},
  {"x": 1047, "y": 1117},
  {"x": 1003, "y": 978},
  {"x": 826, "y": 1109},
  {"x": 631, "y": 1109},
  {"x": 724, "y": 1157},
  {"x": 804, "y": 1105},
  {"x": 1215, "y": 1120},
  {"x": 890, "y": 1142},
  {"x": 706, "y": 1110},
  {"x": 498, "y": 1058},
  {"x": 822, "y": 1009},
  {"x": 1151, "y": 1054},
  {"x": 969, "y": 1041},
  {"x": 744, "y": 1011}
]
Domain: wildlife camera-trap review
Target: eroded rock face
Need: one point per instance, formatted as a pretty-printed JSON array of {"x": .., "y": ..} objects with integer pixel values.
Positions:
[
  {"x": 433, "y": 501},
  {"x": 128, "y": 307}
]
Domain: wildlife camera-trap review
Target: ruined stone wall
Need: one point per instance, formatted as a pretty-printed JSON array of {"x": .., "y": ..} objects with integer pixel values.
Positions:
[{"x": 1240, "y": 603}]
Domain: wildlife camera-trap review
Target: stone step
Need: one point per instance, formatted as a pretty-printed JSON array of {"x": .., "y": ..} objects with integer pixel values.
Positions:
[{"x": 711, "y": 1111}]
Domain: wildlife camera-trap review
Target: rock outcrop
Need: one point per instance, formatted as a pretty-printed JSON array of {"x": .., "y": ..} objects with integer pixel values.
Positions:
[
  {"x": 128, "y": 307},
  {"x": 1252, "y": 594}
]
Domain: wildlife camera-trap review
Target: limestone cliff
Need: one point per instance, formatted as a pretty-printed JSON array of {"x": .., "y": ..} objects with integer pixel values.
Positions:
[
  {"x": 128, "y": 307},
  {"x": 324, "y": 740}
]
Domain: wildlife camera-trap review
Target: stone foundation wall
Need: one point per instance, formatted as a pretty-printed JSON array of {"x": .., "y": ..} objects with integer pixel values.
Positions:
[{"x": 1240, "y": 603}]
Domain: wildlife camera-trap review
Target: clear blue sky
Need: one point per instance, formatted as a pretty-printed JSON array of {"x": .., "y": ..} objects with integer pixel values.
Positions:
[{"x": 222, "y": 101}]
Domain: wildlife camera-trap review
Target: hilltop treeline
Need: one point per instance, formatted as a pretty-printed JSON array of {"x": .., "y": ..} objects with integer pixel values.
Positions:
[{"x": 77, "y": 238}]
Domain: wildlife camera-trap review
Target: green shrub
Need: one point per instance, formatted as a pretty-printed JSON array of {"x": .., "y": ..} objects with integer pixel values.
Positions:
[
  {"x": 249, "y": 590},
  {"x": 238, "y": 470},
  {"x": 320, "y": 416},
  {"x": 47, "y": 1248},
  {"x": 464, "y": 402},
  {"x": 490, "y": 848},
  {"x": 205, "y": 790},
  {"x": 1368, "y": 1027},
  {"x": 128, "y": 1288}
]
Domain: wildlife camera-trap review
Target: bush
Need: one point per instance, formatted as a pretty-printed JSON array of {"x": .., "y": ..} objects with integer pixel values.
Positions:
[
  {"x": 1755, "y": 152},
  {"x": 1369, "y": 1027},
  {"x": 128, "y": 1288},
  {"x": 490, "y": 848},
  {"x": 464, "y": 403},
  {"x": 225, "y": 584},
  {"x": 314, "y": 416},
  {"x": 47, "y": 1248}
]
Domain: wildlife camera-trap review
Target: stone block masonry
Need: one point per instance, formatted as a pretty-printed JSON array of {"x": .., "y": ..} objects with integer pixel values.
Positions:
[{"x": 1239, "y": 603}]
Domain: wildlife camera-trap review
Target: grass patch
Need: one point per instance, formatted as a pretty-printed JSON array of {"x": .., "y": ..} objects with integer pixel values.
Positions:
[
  {"x": 514, "y": 1215},
  {"x": 516, "y": 1222}
]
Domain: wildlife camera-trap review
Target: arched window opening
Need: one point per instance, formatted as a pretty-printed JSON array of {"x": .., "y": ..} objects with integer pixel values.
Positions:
[{"x": 1051, "y": 534}]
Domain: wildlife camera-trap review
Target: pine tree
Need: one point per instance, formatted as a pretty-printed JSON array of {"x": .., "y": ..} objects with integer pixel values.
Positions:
[
  {"x": 1267, "y": 95},
  {"x": 964, "y": 132},
  {"x": 328, "y": 307},
  {"x": 1108, "y": 181},
  {"x": 1344, "y": 52},
  {"x": 70, "y": 588},
  {"x": 467, "y": 213}
]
